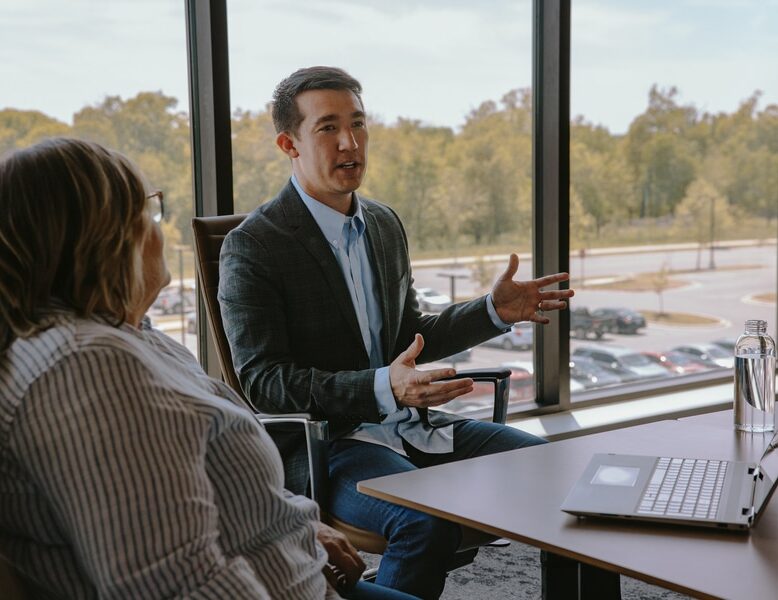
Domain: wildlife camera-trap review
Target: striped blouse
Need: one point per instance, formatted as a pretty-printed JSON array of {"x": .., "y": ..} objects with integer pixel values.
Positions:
[{"x": 126, "y": 472}]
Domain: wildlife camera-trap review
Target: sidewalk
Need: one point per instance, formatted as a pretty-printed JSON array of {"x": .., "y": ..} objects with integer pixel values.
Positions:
[{"x": 614, "y": 250}]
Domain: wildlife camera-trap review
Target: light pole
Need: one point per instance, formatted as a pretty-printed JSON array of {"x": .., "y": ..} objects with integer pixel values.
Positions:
[
  {"x": 452, "y": 286},
  {"x": 711, "y": 264},
  {"x": 182, "y": 301}
]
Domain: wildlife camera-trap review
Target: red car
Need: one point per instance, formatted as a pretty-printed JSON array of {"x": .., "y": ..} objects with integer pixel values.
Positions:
[{"x": 677, "y": 363}]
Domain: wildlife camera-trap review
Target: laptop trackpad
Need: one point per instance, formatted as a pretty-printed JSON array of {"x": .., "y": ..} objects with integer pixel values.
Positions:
[
  {"x": 616, "y": 475},
  {"x": 610, "y": 484}
]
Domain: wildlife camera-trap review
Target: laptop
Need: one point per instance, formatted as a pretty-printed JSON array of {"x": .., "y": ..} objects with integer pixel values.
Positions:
[{"x": 690, "y": 491}]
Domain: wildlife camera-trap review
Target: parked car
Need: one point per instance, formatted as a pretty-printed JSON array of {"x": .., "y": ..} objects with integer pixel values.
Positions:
[
  {"x": 591, "y": 374},
  {"x": 709, "y": 354},
  {"x": 584, "y": 324},
  {"x": 191, "y": 323},
  {"x": 522, "y": 383},
  {"x": 677, "y": 363},
  {"x": 630, "y": 361},
  {"x": 725, "y": 344},
  {"x": 518, "y": 338},
  {"x": 620, "y": 320},
  {"x": 169, "y": 301},
  {"x": 431, "y": 300}
]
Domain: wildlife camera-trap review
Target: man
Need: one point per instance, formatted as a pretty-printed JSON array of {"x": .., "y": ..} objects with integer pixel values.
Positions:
[{"x": 318, "y": 304}]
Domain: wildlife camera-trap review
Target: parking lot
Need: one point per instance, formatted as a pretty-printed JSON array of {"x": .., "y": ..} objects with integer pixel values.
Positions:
[{"x": 725, "y": 294}]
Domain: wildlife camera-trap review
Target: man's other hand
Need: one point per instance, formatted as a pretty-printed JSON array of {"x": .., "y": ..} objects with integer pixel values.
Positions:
[
  {"x": 345, "y": 566},
  {"x": 422, "y": 389},
  {"x": 517, "y": 301}
]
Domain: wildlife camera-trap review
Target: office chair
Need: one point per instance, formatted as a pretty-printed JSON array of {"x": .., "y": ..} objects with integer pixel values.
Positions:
[{"x": 209, "y": 233}]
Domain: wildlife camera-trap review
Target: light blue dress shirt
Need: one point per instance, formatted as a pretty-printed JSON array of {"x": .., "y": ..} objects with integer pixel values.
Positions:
[{"x": 347, "y": 239}]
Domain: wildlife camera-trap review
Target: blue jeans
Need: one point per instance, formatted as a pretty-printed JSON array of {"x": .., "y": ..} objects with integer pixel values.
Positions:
[
  {"x": 419, "y": 546},
  {"x": 370, "y": 591}
]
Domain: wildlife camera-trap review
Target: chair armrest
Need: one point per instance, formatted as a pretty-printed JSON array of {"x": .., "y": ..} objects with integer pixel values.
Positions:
[
  {"x": 500, "y": 377},
  {"x": 316, "y": 444}
]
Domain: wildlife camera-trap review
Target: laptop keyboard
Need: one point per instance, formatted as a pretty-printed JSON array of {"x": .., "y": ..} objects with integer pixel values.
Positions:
[{"x": 685, "y": 487}]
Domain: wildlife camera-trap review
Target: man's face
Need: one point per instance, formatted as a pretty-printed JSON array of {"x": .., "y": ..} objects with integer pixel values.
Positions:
[{"x": 329, "y": 150}]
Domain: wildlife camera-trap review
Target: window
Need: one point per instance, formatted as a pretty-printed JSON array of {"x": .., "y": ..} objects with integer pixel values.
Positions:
[
  {"x": 447, "y": 91},
  {"x": 115, "y": 74},
  {"x": 674, "y": 185},
  {"x": 651, "y": 117}
]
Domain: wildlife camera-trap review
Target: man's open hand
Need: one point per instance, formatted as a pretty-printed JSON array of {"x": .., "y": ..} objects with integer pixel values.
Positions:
[
  {"x": 345, "y": 566},
  {"x": 422, "y": 389},
  {"x": 517, "y": 301}
]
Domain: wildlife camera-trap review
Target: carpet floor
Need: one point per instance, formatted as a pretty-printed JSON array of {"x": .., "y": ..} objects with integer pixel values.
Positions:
[{"x": 514, "y": 572}]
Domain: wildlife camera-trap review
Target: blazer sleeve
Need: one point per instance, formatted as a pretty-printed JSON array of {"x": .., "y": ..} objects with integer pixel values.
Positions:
[{"x": 255, "y": 315}]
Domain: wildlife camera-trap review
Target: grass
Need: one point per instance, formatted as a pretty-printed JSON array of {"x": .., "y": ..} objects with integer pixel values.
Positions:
[
  {"x": 677, "y": 318},
  {"x": 640, "y": 283},
  {"x": 645, "y": 282},
  {"x": 768, "y": 297}
]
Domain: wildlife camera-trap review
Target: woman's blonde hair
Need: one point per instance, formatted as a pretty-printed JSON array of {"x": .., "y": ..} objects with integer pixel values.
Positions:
[{"x": 71, "y": 229}]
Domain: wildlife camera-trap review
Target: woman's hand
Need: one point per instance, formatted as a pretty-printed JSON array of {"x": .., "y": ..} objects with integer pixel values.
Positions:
[{"x": 345, "y": 566}]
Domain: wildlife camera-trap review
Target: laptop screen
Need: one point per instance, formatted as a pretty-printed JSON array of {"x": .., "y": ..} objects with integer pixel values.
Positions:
[{"x": 766, "y": 474}]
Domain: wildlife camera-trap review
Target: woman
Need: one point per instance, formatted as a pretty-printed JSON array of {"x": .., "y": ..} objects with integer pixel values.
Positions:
[{"x": 125, "y": 471}]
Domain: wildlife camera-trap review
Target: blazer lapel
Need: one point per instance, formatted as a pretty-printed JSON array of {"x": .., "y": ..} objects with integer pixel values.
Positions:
[
  {"x": 307, "y": 232},
  {"x": 375, "y": 244}
]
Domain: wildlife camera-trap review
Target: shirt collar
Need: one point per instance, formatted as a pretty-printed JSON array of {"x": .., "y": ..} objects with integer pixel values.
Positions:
[{"x": 330, "y": 221}]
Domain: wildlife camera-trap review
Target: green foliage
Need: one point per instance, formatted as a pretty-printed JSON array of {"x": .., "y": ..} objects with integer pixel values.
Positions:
[{"x": 459, "y": 190}]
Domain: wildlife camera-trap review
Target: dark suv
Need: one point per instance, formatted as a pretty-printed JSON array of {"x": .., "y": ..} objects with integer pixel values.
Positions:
[
  {"x": 620, "y": 320},
  {"x": 584, "y": 324}
]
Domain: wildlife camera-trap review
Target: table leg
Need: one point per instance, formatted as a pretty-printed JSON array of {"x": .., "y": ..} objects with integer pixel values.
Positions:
[{"x": 567, "y": 579}]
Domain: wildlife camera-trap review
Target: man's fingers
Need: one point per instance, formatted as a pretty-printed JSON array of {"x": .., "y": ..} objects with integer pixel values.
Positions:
[
  {"x": 510, "y": 271},
  {"x": 557, "y": 294},
  {"x": 413, "y": 351},
  {"x": 434, "y": 394},
  {"x": 553, "y": 305},
  {"x": 438, "y": 399},
  {"x": 552, "y": 279},
  {"x": 435, "y": 375},
  {"x": 536, "y": 318}
]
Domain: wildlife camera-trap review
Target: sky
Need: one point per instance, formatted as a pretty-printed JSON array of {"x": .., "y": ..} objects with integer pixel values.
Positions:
[{"x": 431, "y": 60}]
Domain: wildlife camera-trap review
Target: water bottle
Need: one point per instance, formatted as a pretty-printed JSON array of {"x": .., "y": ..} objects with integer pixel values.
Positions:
[{"x": 755, "y": 379}]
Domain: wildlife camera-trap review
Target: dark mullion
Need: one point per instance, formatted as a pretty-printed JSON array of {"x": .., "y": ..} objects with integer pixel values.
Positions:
[
  {"x": 551, "y": 179},
  {"x": 209, "y": 101},
  {"x": 209, "y": 110}
]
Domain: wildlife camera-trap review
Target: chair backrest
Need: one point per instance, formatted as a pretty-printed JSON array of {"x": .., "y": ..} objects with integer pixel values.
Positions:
[{"x": 209, "y": 234}]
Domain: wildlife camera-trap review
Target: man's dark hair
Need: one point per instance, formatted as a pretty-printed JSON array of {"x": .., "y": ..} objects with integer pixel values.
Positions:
[{"x": 286, "y": 115}]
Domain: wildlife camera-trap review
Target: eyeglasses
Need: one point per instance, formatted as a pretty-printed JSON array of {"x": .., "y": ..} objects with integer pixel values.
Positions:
[{"x": 156, "y": 206}]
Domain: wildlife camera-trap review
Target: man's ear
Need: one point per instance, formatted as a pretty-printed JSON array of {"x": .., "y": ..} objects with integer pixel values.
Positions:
[{"x": 286, "y": 143}]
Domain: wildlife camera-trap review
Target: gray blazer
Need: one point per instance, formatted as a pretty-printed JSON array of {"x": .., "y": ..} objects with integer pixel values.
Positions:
[{"x": 291, "y": 325}]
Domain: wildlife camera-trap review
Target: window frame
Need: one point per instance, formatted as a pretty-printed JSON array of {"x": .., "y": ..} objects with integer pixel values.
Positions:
[{"x": 210, "y": 125}]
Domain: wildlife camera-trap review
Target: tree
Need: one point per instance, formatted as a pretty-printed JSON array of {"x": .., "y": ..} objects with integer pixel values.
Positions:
[
  {"x": 483, "y": 273},
  {"x": 492, "y": 158},
  {"x": 22, "y": 128},
  {"x": 259, "y": 168},
  {"x": 405, "y": 170},
  {"x": 702, "y": 213},
  {"x": 660, "y": 281},
  {"x": 601, "y": 179},
  {"x": 149, "y": 130},
  {"x": 663, "y": 152}
]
